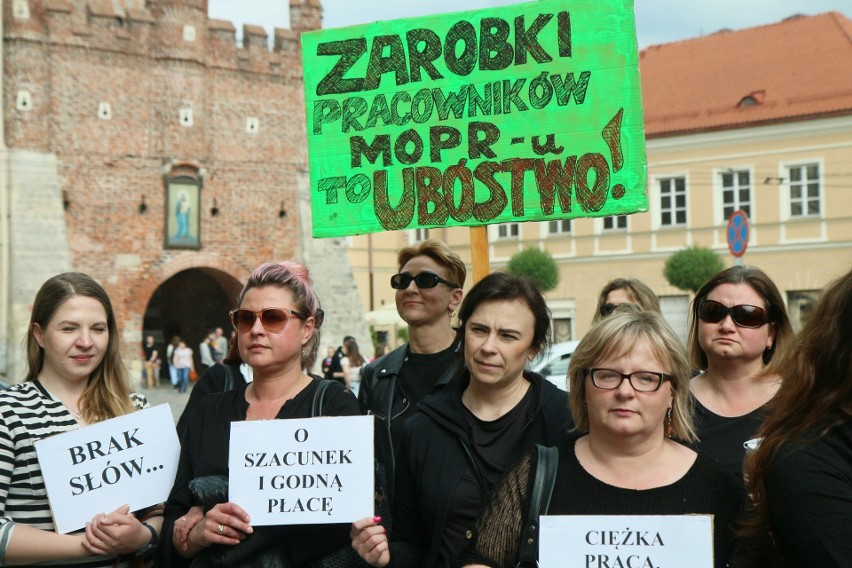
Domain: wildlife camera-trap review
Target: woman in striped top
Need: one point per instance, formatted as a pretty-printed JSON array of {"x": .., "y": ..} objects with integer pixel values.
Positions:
[{"x": 75, "y": 377}]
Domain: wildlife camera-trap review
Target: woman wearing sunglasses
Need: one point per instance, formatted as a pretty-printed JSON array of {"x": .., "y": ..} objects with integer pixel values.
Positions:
[
  {"x": 629, "y": 380},
  {"x": 428, "y": 292},
  {"x": 277, "y": 326},
  {"x": 738, "y": 323},
  {"x": 453, "y": 452},
  {"x": 625, "y": 291}
]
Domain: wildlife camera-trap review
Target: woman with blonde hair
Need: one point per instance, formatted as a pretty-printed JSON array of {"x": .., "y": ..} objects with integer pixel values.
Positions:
[
  {"x": 629, "y": 393},
  {"x": 75, "y": 377}
]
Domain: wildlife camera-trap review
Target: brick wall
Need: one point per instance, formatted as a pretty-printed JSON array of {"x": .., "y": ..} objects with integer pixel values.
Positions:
[{"x": 107, "y": 87}]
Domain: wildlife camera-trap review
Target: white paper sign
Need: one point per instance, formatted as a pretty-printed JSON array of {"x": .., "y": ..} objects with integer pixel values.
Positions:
[
  {"x": 130, "y": 459},
  {"x": 612, "y": 541},
  {"x": 308, "y": 471}
]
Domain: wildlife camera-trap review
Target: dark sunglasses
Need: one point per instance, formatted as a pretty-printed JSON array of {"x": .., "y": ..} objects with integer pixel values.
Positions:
[
  {"x": 272, "y": 319},
  {"x": 402, "y": 280},
  {"x": 744, "y": 315},
  {"x": 607, "y": 309}
]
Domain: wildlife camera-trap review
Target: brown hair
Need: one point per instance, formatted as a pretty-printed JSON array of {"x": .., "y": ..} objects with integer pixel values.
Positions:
[
  {"x": 502, "y": 286},
  {"x": 107, "y": 393},
  {"x": 353, "y": 353},
  {"x": 761, "y": 283},
  {"x": 815, "y": 393},
  {"x": 638, "y": 292}
]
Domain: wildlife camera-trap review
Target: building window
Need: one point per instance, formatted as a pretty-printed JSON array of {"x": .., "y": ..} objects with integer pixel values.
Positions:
[
  {"x": 804, "y": 190},
  {"x": 736, "y": 193},
  {"x": 561, "y": 227},
  {"x": 421, "y": 235},
  {"x": 672, "y": 201},
  {"x": 562, "y": 331},
  {"x": 508, "y": 230},
  {"x": 615, "y": 223}
]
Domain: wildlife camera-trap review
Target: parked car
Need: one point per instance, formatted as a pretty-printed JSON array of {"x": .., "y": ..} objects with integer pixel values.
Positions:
[{"x": 553, "y": 364}]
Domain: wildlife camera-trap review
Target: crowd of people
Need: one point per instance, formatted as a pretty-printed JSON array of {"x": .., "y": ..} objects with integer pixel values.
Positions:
[{"x": 748, "y": 422}]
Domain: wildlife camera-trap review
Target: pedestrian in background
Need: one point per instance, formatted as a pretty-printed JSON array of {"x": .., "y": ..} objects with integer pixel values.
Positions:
[
  {"x": 352, "y": 363},
  {"x": 205, "y": 351},
  {"x": 152, "y": 361},
  {"x": 183, "y": 365},
  {"x": 170, "y": 354},
  {"x": 625, "y": 291}
]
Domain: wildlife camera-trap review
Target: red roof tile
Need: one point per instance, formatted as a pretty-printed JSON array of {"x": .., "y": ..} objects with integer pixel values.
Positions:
[{"x": 799, "y": 68}]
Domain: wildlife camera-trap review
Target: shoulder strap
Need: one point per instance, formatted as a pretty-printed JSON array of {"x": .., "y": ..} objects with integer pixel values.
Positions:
[
  {"x": 542, "y": 490},
  {"x": 229, "y": 379},
  {"x": 319, "y": 396}
]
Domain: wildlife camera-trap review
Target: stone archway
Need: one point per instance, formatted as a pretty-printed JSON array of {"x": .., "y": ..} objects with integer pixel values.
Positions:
[{"x": 188, "y": 305}]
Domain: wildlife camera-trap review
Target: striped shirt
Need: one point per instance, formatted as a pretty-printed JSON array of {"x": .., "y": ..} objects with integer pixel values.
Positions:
[{"x": 28, "y": 414}]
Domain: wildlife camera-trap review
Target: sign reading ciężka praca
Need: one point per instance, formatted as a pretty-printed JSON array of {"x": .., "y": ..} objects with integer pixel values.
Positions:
[{"x": 530, "y": 112}]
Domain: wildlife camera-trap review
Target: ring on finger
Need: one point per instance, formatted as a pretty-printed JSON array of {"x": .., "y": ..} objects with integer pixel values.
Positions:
[{"x": 220, "y": 529}]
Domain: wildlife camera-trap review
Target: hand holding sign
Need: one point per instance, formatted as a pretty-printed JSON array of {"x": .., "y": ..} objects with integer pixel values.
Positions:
[
  {"x": 226, "y": 523},
  {"x": 118, "y": 532},
  {"x": 130, "y": 458},
  {"x": 370, "y": 540}
]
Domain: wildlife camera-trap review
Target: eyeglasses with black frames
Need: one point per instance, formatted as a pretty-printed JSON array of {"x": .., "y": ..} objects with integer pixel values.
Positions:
[
  {"x": 423, "y": 280},
  {"x": 272, "y": 319},
  {"x": 641, "y": 381},
  {"x": 744, "y": 315}
]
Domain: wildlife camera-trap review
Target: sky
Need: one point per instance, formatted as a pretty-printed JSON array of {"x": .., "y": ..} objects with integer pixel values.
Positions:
[{"x": 657, "y": 21}]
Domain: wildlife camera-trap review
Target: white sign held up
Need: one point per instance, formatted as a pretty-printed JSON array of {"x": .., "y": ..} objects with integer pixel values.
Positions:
[
  {"x": 306, "y": 471},
  {"x": 130, "y": 459},
  {"x": 640, "y": 541}
]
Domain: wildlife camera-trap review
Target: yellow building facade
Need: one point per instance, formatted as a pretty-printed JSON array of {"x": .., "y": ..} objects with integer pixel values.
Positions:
[{"x": 777, "y": 147}]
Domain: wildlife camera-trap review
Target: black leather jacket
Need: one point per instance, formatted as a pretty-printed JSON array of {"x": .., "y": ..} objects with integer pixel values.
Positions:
[{"x": 381, "y": 395}]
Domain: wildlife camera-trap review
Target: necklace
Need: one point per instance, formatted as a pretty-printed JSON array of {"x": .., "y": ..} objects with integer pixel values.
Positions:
[{"x": 75, "y": 413}]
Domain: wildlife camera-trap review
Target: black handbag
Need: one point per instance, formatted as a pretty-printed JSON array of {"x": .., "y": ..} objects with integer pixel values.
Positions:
[{"x": 542, "y": 490}]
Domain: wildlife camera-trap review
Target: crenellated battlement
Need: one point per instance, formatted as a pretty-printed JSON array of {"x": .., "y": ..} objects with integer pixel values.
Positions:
[{"x": 163, "y": 29}]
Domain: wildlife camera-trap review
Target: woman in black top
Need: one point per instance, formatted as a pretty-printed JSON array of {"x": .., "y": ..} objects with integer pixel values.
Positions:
[
  {"x": 428, "y": 293},
  {"x": 278, "y": 327},
  {"x": 464, "y": 438},
  {"x": 801, "y": 474},
  {"x": 738, "y": 324}
]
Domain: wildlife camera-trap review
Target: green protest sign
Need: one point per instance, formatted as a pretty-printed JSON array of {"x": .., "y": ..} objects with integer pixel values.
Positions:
[{"x": 529, "y": 112}]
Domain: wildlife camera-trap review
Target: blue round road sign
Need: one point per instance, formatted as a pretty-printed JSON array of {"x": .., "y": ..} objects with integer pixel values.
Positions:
[{"x": 738, "y": 233}]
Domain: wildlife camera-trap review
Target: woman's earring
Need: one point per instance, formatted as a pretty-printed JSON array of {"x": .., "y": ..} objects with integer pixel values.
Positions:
[{"x": 668, "y": 423}]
